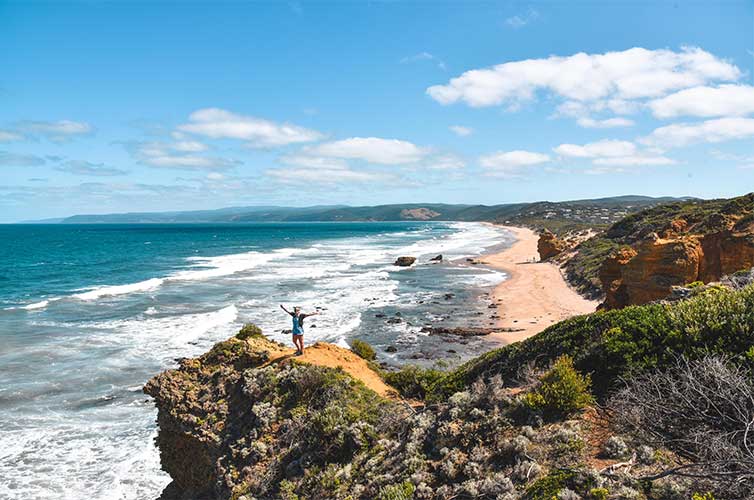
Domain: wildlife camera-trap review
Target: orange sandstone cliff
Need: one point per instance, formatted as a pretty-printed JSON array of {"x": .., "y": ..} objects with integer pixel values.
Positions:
[{"x": 683, "y": 252}]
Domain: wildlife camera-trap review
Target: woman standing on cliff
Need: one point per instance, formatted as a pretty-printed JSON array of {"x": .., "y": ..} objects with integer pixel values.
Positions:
[{"x": 298, "y": 327}]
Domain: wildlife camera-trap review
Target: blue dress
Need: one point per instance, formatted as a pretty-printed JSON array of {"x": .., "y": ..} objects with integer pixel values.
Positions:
[{"x": 298, "y": 327}]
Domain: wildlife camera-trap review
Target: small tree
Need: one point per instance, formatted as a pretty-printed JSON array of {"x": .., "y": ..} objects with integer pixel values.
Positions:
[
  {"x": 562, "y": 390},
  {"x": 363, "y": 350},
  {"x": 249, "y": 330}
]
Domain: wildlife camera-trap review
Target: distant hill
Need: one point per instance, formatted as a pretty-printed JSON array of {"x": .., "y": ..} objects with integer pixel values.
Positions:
[{"x": 554, "y": 215}]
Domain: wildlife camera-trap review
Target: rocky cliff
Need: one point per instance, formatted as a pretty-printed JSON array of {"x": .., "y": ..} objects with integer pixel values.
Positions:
[
  {"x": 640, "y": 258},
  {"x": 549, "y": 245},
  {"x": 648, "y": 269}
]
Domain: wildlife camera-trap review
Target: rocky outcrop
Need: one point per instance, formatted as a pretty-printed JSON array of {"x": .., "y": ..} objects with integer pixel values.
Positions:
[
  {"x": 228, "y": 421},
  {"x": 404, "y": 261},
  {"x": 649, "y": 269},
  {"x": 418, "y": 214},
  {"x": 549, "y": 245}
]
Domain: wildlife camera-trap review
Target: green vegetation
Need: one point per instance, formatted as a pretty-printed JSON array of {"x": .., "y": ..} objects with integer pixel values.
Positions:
[
  {"x": 582, "y": 270},
  {"x": 414, "y": 382},
  {"x": 402, "y": 491},
  {"x": 548, "y": 487},
  {"x": 249, "y": 330},
  {"x": 608, "y": 345},
  {"x": 562, "y": 390},
  {"x": 363, "y": 349},
  {"x": 598, "y": 494}
]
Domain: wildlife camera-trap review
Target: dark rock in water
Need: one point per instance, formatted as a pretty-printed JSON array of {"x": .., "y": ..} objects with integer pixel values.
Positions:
[
  {"x": 286, "y": 331},
  {"x": 492, "y": 306},
  {"x": 437, "y": 258},
  {"x": 379, "y": 315},
  {"x": 451, "y": 351},
  {"x": 391, "y": 348},
  {"x": 398, "y": 314},
  {"x": 404, "y": 261},
  {"x": 394, "y": 321},
  {"x": 466, "y": 331},
  {"x": 469, "y": 260},
  {"x": 312, "y": 326},
  {"x": 449, "y": 296}
]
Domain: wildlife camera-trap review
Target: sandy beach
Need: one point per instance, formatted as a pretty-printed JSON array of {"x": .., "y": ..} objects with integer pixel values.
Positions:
[{"x": 535, "y": 295}]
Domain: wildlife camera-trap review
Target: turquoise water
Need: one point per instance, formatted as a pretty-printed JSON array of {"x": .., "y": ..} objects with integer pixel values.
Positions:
[{"x": 88, "y": 313}]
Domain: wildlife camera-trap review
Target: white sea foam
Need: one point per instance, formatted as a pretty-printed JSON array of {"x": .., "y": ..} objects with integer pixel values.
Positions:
[{"x": 107, "y": 291}]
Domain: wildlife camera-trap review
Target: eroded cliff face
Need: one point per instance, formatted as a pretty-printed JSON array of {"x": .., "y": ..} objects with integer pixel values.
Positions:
[
  {"x": 648, "y": 269},
  {"x": 549, "y": 245}
]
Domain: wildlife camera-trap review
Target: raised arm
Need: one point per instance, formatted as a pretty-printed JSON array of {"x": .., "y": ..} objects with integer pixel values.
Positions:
[{"x": 284, "y": 309}]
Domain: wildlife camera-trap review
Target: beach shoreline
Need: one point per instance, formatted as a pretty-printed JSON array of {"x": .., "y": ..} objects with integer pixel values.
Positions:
[{"x": 535, "y": 295}]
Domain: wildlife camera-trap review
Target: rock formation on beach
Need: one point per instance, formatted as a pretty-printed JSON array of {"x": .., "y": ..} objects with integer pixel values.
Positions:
[
  {"x": 549, "y": 245},
  {"x": 404, "y": 261}
]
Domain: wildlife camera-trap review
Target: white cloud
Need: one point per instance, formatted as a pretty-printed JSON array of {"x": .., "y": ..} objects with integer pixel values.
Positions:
[
  {"x": 189, "y": 146},
  {"x": 510, "y": 163},
  {"x": 636, "y": 73},
  {"x": 327, "y": 175},
  {"x": 604, "y": 148},
  {"x": 9, "y": 136},
  {"x": 724, "y": 100},
  {"x": 606, "y": 123},
  {"x": 424, "y": 56},
  {"x": 711, "y": 131},
  {"x": 461, "y": 131},
  {"x": 178, "y": 155},
  {"x": 8, "y": 159},
  {"x": 81, "y": 167},
  {"x": 371, "y": 150},
  {"x": 634, "y": 161},
  {"x": 315, "y": 162},
  {"x": 446, "y": 162},
  {"x": 519, "y": 21},
  {"x": 57, "y": 131},
  {"x": 221, "y": 124},
  {"x": 612, "y": 153}
]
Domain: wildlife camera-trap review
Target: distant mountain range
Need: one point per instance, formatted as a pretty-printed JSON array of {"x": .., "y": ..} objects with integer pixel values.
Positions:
[{"x": 599, "y": 211}]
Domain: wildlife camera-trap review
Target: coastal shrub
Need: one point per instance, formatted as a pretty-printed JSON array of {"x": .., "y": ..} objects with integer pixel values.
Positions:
[
  {"x": 249, "y": 330},
  {"x": 363, "y": 350},
  {"x": 548, "y": 487},
  {"x": 414, "y": 382},
  {"x": 562, "y": 390},
  {"x": 401, "y": 491},
  {"x": 700, "y": 409},
  {"x": 620, "y": 344},
  {"x": 598, "y": 494}
]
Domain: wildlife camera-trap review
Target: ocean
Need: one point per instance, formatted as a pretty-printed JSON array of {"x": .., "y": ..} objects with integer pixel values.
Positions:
[{"x": 88, "y": 313}]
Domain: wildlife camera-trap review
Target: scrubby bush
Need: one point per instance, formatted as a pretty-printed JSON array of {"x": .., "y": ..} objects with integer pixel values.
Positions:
[
  {"x": 598, "y": 494},
  {"x": 249, "y": 330},
  {"x": 703, "y": 411},
  {"x": 402, "y": 491},
  {"x": 415, "y": 382},
  {"x": 562, "y": 390},
  {"x": 615, "y": 447},
  {"x": 363, "y": 349}
]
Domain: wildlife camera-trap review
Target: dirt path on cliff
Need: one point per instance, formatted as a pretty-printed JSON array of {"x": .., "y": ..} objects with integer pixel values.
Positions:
[
  {"x": 330, "y": 355},
  {"x": 535, "y": 295}
]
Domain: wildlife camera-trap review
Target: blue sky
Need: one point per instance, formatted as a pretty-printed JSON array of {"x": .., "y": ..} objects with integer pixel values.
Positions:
[{"x": 132, "y": 106}]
